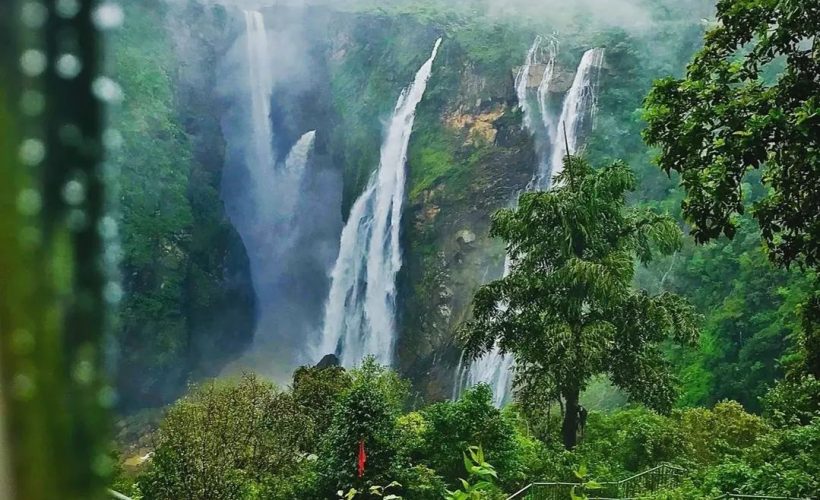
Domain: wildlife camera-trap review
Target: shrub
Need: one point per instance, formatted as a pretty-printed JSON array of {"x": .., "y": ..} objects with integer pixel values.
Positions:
[
  {"x": 451, "y": 427},
  {"x": 421, "y": 483},
  {"x": 794, "y": 401},
  {"x": 225, "y": 440},
  {"x": 317, "y": 390},
  {"x": 630, "y": 440},
  {"x": 724, "y": 430},
  {"x": 366, "y": 412},
  {"x": 784, "y": 462}
]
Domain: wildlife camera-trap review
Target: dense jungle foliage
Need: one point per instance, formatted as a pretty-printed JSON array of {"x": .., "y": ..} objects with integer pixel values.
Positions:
[
  {"x": 746, "y": 416},
  {"x": 184, "y": 263},
  {"x": 694, "y": 295},
  {"x": 245, "y": 438}
]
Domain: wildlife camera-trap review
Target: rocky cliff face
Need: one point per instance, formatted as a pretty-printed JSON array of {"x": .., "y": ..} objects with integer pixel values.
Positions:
[
  {"x": 220, "y": 300},
  {"x": 338, "y": 73},
  {"x": 468, "y": 157},
  {"x": 447, "y": 247},
  {"x": 189, "y": 303}
]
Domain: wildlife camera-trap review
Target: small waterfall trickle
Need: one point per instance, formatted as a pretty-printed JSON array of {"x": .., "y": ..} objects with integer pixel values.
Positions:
[
  {"x": 458, "y": 383},
  {"x": 360, "y": 310},
  {"x": 495, "y": 368}
]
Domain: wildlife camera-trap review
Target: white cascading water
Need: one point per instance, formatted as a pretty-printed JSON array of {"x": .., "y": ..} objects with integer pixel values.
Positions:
[
  {"x": 260, "y": 80},
  {"x": 522, "y": 80},
  {"x": 496, "y": 368},
  {"x": 540, "y": 180},
  {"x": 273, "y": 186},
  {"x": 360, "y": 310},
  {"x": 292, "y": 172},
  {"x": 579, "y": 106},
  {"x": 264, "y": 198},
  {"x": 298, "y": 156},
  {"x": 546, "y": 81}
]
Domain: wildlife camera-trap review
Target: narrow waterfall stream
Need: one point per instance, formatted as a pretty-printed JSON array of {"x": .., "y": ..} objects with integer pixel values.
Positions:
[
  {"x": 522, "y": 82},
  {"x": 496, "y": 369},
  {"x": 260, "y": 82},
  {"x": 360, "y": 311},
  {"x": 579, "y": 107}
]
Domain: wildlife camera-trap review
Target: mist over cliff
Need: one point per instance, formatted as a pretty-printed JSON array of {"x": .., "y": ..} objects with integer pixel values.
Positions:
[{"x": 287, "y": 104}]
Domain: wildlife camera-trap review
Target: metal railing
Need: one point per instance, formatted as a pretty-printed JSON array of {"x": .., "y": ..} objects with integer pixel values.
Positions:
[
  {"x": 661, "y": 476},
  {"x": 738, "y": 496},
  {"x": 634, "y": 487},
  {"x": 118, "y": 495}
]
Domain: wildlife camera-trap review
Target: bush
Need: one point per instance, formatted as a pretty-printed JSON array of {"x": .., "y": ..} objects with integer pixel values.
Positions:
[
  {"x": 540, "y": 450},
  {"x": 630, "y": 440},
  {"x": 412, "y": 427},
  {"x": 784, "y": 462},
  {"x": 317, "y": 390},
  {"x": 452, "y": 427},
  {"x": 724, "y": 430},
  {"x": 225, "y": 441},
  {"x": 367, "y": 412},
  {"x": 421, "y": 483},
  {"x": 795, "y": 401}
]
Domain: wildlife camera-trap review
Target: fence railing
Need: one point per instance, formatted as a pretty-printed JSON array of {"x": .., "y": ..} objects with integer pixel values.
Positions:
[
  {"x": 664, "y": 475},
  {"x": 634, "y": 487},
  {"x": 117, "y": 495},
  {"x": 738, "y": 496}
]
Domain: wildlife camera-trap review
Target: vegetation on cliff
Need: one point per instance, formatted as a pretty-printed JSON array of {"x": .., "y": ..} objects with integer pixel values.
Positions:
[{"x": 187, "y": 298}]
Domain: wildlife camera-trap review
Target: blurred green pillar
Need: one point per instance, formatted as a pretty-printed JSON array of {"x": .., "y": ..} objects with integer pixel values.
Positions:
[{"x": 54, "y": 441}]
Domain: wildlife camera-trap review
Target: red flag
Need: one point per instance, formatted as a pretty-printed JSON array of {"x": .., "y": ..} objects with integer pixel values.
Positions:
[{"x": 362, "y": 457}]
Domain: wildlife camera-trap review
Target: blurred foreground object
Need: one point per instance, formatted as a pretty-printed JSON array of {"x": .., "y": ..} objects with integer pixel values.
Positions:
[{"x": 53, "y": 286}]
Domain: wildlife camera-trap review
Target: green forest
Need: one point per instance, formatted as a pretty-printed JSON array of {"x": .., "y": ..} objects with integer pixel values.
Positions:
[{"x": 237, "y": 267}]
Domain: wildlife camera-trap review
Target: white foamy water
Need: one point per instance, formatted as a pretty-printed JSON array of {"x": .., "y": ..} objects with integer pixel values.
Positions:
[{"x": 360, "y": 315}]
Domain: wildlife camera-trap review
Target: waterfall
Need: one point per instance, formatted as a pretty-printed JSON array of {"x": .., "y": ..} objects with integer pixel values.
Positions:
[
  {"x": 495, "y": 369},
  {"x": 260, "y": 80},
  {"x": 544, "y": 86},
  {"x": 296, "y": 160},
  {"x": 578, "y": 110},
  {"x": 522, "y": 80},
  {"x": 579, "y": 106},
  {"x": 549, "y": 126},
  {"x": 268, "y": 198},
  {"x": 292, "y": 172},
  {"x": 459, "y": 378},
  {"x": 360, "y": 310}
]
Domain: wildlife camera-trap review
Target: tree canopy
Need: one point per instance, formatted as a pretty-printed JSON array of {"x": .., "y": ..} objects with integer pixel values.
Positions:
[
  {"x": 567, "y": 309},
  {"x": 750, "y": 101}
]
